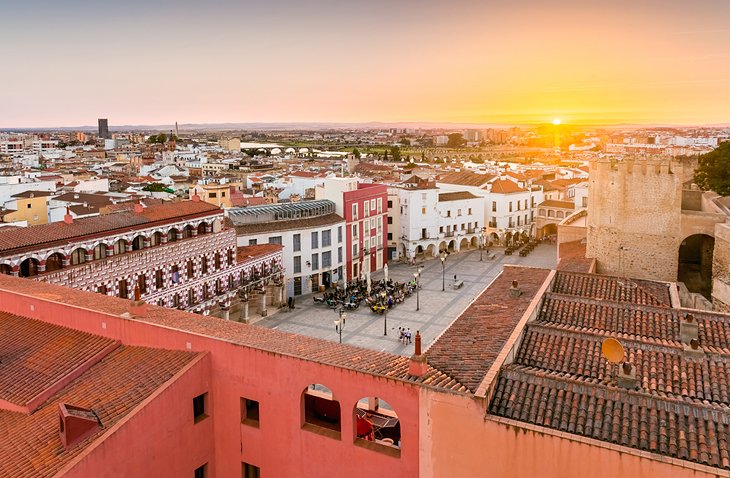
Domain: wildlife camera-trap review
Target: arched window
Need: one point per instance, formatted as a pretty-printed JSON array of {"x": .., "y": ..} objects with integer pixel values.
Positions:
[
  {"x": 54, "y": 262},
  {"x": 551, "y": 213},
  {"x": 559, "y": 214},
  {"x": 320, "y": 411},
  {"x": 99, "y": 251},
  {"x": 202, "y": 228},
  {"x": 78, "y": 256},
  {"x": 120, "y": 247},
  {"x": 188, "y": 232},
  {"x": 172, "y": 235},
  {"x": 29, "y": 267},
  {"x": 156, "y": 239},
  {"x": 6, "y": 269},
  {"x": 542, "y": 212},
  {"x": 377, "y": 422},
  {"x": 138, "y": 243}
]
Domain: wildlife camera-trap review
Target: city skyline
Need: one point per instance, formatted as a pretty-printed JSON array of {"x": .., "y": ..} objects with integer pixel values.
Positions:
[{"x": 275, "y": 62}]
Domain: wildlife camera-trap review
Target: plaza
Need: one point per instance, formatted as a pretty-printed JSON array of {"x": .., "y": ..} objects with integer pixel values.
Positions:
[{"x": 437, "y": 308}]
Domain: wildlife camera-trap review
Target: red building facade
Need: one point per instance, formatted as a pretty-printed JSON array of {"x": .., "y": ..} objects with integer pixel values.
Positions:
[{"x": 366, "y": 217}]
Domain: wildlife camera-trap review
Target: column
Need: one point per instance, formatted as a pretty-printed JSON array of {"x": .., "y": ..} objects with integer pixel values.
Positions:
[
  {"x": 146, "y": 243},
  {"x": 88, "y": 255},
  {"x": 109, "y": 251},
  {"x": 16, "y": 271},
  {"x": 244, "y": 312},
  {"x": 41, "y": 266},
  {"x": 66, "y": 261},
  {"x": 264, "y": 312}
]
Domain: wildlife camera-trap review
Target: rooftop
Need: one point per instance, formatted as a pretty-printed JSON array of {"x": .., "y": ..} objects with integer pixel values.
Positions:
[
  {"x": 680, "y": 406},
  {"x": 457, "y": 196},
  {"x": 111, "y": 385},
  {"x": 466, "y": 178},
  {"x": 559, "y": 204},
  {"x": 27, "y": 238}
]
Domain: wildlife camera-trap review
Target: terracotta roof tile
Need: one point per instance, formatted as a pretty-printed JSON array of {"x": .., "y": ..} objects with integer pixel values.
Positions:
[
  {"x": 275, "y": 341},
  {"x": 559, "y": 378},
  {"x": 555, "y": 203},
  {"x": 112, "y": 388},
  {"x": 467, "y": 349},
  {"x": 27, "y": 238},
  {"x": 34, "y": 355},
  {"x": 288, "y": 225},
  {"x": 505, "y": 186},
  {"x": 456, "y": 196},
  {"x": 466, "y": 178}
]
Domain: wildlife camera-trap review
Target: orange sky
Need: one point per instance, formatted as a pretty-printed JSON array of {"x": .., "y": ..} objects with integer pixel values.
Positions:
[{"x": 521, "y": 61}]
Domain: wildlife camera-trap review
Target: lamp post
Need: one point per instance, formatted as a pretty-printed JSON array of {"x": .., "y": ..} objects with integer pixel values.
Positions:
[
  {"x": 340, "y": 322},
  {"x": 442, "y": 256},
  {"x": 417, "y": 276},
  {"x": 385, "y": 312}
]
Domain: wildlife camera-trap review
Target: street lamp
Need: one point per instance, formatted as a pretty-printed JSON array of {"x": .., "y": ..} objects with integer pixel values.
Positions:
[
  {"x": 442, "y": 256},
  {"x": 385, "y": 312},
  {"x": 340, "y": 322},
  {"x": 417, "y": 276}
]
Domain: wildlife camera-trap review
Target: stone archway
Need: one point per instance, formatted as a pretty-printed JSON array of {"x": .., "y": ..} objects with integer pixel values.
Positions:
[{"x": 695, "y": 264}]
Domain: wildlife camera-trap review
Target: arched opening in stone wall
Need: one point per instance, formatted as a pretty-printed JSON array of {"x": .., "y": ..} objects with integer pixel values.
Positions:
[
  {"x": 54, "y": 262},
  {"x": 29, "y": 267},
  {"x": 6, "y": 269},
  {"x": 695, "y": 264}
]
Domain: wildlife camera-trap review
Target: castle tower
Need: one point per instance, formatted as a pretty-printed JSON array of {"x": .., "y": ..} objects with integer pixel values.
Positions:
[{"x": 634, "y": 217}]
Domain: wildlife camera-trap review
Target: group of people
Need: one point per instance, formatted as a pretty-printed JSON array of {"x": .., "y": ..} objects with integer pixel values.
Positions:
[{"x": 404, "y": 335}]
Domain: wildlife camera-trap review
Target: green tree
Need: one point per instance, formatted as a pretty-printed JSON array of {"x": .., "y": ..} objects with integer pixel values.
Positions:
[
  {"x": 395, "y": 152},
  {"x": 405, "y": 142},
  {"x": 385, "y": 155},
  {"x": 713, "y": 171},
  {"x": 456, "y": 140},
  {"x": 410, "y": 166},
  {"x": 155, "y": 187},
  {"x": 356, "y": 153}
]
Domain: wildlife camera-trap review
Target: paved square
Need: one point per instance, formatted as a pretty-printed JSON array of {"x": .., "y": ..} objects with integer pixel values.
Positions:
[{"x": 437, "y": 309}]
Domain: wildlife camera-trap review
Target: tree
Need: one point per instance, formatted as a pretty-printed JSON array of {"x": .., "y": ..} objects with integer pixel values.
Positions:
[
  {"x": 713, "y": 171},
  {"x": 456, "y": 140},
  {"x": 405, "y": 142},
  {"x": 385, "y": 155},
  {"x": 395, "y": 152},
  {"x": 356, "y": 153}
]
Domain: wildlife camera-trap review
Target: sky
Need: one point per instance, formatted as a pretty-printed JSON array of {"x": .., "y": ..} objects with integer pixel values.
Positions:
[{"x": 67, "y": 63}]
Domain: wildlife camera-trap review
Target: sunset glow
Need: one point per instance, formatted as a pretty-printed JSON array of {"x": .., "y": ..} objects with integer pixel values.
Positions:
[{"x": 465, "y": 61}]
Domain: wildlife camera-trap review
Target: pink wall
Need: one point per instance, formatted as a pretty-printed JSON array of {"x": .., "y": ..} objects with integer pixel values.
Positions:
[
  {"x": 160, "y": 439},
  {"x": 280, "y": 447},
  {"x": 458, "y": 441}
]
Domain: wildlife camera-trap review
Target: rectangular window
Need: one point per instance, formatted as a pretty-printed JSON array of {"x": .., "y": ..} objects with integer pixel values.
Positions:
[
  {"x": 469, "y": 211},
  {"x": 297, "y": 264},
  {"x": 212, "y": 195},
  {"x": 250, "y": 412},
  {"x": 252, "y": 242},
  {"x": 200, "y": 407},
  {"x": 315, "y": 262},
  {"x": 315, "y": 240},
  {"x": 448, "y": 213},
  {"x": 366, "y": 228},
  {"x": 123, "y": 292},
  {"x": 354, "y": 212},
  {"x": 372, "y": 204},
  {"x": 223, "y": 194},
  {"x": 390, "y": 204},
  {"x": 355, "y": 252},
  {"x": 251, "y": 471},
  {"x": 390, "y": 236},
  {"x": 297, "y": 242},
  {"x": 366, "y": 209},
  {"x": 354, "y": 231},
  {"x": 494, "y": 206},
  {"x": 423, "y": 211},
  {"x": 275, "y": 240},
  {"x": 326, "y": 238},
  {"x": 380, "y": 205},
  {"x": 339, "y": 255},
  {"x": 202, "y": 471},
  {"x": 326, "y": 260},
  {"x": 339, "y": 234},
  {"x": 510, "y": 206}
]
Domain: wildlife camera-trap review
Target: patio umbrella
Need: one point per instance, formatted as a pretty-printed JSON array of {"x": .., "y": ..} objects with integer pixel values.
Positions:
[
  {"x": 385, "y": 272},
  {"x": 368, "y": 279}
]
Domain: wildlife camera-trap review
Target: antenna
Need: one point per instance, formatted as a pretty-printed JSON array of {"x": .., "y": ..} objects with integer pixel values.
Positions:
[{"x": 613, "y": 351}]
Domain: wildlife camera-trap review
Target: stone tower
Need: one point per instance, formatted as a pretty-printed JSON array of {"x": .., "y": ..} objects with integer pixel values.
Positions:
[{"x": 635, "y": 217}]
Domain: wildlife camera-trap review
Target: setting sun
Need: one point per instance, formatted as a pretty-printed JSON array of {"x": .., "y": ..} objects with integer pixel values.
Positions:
[{"x": 556, "y": 121}]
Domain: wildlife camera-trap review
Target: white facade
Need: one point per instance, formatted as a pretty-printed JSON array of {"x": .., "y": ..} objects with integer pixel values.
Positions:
[{"x": 432, "y": 220}]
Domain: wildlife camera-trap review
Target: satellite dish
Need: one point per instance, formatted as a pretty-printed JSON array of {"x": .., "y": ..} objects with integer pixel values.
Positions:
[{"x": 612, "y": 350}]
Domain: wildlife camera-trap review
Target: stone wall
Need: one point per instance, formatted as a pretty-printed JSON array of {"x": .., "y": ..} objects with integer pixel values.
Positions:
[{"x": 634, "y": 218}]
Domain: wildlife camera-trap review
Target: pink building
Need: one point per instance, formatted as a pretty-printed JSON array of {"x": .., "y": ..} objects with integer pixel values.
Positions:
[{"x": 93, "y": 385}]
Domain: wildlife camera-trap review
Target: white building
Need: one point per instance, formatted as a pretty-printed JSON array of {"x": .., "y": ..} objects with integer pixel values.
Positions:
[
  {"x": 311, "y": 233},
  {"x": 432, "y": 220}
]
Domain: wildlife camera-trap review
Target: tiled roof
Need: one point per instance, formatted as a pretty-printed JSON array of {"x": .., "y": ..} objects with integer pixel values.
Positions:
[
  {"x": 33, "y": 237},
  {"x": 573, "y": 257},
  {"x": 112, "y": 388},
  {"x": 612, "y": 288},
  {"x": 466, "y": 178},
  {"x": 245, "y": 253},
  {"x": 456, "y": 196},
  {"x": 32, "y": 194},
  {"x": 505, "y": 186},
  {"x": 307, "y": 348},
  {"x": 554, "y": 203},
  {"x": 34, "y": 355},
  {"x": 467, "y": 349},
  {"x": 559, "y": 378},
  {"x": 293, "y": 224}
]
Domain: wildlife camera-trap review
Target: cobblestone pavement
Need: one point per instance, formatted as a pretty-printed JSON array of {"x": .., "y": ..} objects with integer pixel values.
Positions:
[{"x": 437, "y": 308}]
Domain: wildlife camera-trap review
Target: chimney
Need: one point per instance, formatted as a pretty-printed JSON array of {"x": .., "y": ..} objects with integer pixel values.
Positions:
[
  {"x": 418, "y": 364},
  {"x": 688, "y": 329},
  {"x": 627, "y": 377},
  {"x": 515, "y": 290},
  {"x": 76, "y": 424},
  {"x": 138, "y": 207},
  {"x": 692, "y": 350},
  {"x": 76, "y": 196},
  {"x": 68, "y": 219}
]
